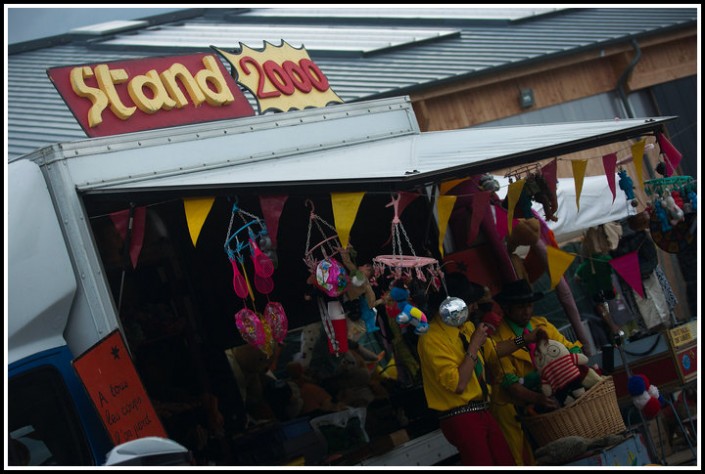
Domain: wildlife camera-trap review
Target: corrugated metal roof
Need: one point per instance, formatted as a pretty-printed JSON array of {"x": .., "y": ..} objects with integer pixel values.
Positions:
[{"x": 37, "y": 115}]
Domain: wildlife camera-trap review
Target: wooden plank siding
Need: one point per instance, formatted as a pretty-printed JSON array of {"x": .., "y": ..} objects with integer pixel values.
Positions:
[{"x": 492, "y": 97}]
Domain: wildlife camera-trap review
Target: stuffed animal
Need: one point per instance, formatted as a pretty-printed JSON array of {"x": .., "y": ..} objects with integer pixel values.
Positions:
[
  {"x": 408, "y": 313},
  {"x": 675, "y": 213},
  {"x": 645, "y": 396},
  {"x": 563, "y": 374},
  {"x": 360, "y": 291},
  {"x": 626, "y": 184}
]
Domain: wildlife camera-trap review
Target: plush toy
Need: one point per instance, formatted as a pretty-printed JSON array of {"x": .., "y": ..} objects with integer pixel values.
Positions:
[
  {"x": 563, "y": 374},
  {"x": 360, "y": 291},
  {"x": 675, "y": 213},
  {"x": 626, "y": 184},
  {"x": 645, "y": 396},
  {"x": 693, "y": 198},
  {"x": 662, "y": 216},
  {"x": 408, "y": 314}
]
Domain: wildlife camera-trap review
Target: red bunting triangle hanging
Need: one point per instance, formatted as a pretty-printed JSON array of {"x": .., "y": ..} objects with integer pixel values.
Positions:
[
  {"x": 134, "y": 228},
  {"x": 627, "y": 267}
]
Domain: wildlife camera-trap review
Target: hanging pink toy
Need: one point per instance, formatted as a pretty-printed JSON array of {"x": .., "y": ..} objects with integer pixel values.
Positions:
[
  {"x": 262, "y": 263},
  {"x": 275, "y": 318},
  {"x": 239, "y": 282},
  {"x": 251, "y": 328}
]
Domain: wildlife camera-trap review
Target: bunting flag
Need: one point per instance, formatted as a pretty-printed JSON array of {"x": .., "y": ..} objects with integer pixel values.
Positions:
[
  {"x": 578, "y": 175},
  {"x": 513, "y": 194},
  {"x": 405, "y": 199},
  {"x": 197, "y": 210},
  {"x": 627, "y": 267},
  {"x": 550, "y": 174},
  {"x": 558, "y": 263},
  {"x": 448, "y": 185},
  {"x": 272, "y": 207},
  {"x": 345, "y": 206},
  {"x": 480, "y": 205},
  {"x": 638, "y": 157},
  {"x": 501, "y": 221},
  {"x": 673, "y": 156},
  {"x": 609, "y": 163},
  {"x": 121, "y": 221},
  {"x": 444, "y": 206}
]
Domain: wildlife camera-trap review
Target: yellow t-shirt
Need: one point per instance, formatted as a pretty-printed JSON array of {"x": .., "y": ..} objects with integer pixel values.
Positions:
[{"x": 441, "y": 352}]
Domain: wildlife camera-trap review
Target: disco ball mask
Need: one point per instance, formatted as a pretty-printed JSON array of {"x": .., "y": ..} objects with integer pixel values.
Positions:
[{"x": 454, "y": 311}]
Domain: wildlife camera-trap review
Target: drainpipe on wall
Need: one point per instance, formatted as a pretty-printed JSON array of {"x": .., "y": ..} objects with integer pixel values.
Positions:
[
  {"x": 621, "y": 82},
  {"x": 625, "y": 76}
]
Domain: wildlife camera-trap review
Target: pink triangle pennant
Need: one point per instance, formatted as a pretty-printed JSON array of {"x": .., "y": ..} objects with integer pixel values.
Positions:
[
  {"x": 673, "y": 156},
  {"x": 627, "y": 266},
  {"x": 272, "y": 207},
  {"x": 609, "y": 163},
  {"x": 405, "y": 199},
  {"x": 549, "y": 173},
  {"x": 480, "y": 203},
  {"x": 501, "y": 222},
  {"x": 121, "y": 221}
]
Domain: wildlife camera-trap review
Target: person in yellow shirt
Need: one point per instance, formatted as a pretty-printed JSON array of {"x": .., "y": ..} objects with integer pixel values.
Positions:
[
  {"x": 453, "y": 356},
  {"x": 517, "y": 385}
]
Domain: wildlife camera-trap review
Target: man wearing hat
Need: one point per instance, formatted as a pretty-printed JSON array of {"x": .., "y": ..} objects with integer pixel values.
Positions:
[
  {"x": 454, "y": 354},
  {"x": 517, "y": 386}
]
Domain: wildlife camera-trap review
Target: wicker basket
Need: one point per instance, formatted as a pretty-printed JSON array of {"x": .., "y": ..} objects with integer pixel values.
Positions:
[{"x": 594, "y": 415}]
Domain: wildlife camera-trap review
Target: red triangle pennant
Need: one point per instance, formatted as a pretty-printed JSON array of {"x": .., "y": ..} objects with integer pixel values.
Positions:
[
  {"x": 609, "y": 163},
  {"x": 549, "y": 173},
  {"x": 272, "y": 207},
  {"x": 627, "y": 266},
  {"x": 673, "y": 156},
  {"x": 501, "y": 222},
  {"x": 121, "y": 221},
  {"x": 480, "y": 203}
]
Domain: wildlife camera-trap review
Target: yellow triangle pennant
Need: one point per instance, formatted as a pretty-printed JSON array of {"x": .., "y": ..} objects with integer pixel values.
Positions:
[
  {"x": 578, "y": 175},
  {"x": 513, "y": 194},
  {"x": 558, "y": 263},
  {"x": 448, "y": 185},
  {"x": 638, "y": 157},
  {"x": 445, "y": 207},
  {"x": 345, "y": 206},
  {"x": 197, "y": 210}
]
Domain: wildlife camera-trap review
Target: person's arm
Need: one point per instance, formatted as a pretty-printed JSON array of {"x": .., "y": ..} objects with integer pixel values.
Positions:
[
  {"x": 467, "y": 366},
  {"x": 530, "y": 397},
  {"x": 508, "y": 346}
]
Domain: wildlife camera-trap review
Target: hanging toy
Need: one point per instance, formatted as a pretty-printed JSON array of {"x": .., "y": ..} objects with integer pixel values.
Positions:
[
  {"x": 627, "y": 185},
  {"x": 693, "y": 199},
  {"x": 675, "y": 213},
  {"x": 662, "y": 216},
  {"x": 328, "y": 276},
  {"x": 276, "y": 319},
  {"x": 255, "y": 331},
  {"x": 408, "y": 313},
  {"x": 677, "y": 198},
  {"x": 645, "y": 396},
  {"x": 398, "y": 265}
]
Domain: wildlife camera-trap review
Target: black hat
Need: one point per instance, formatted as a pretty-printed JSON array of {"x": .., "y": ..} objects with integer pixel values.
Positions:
[
  {"x": 459, "y": 286},
  {"x": 518, "y": 291}
]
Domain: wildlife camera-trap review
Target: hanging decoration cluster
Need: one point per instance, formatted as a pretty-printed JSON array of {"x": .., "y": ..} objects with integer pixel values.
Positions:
[{"x": 252, "y": 240}]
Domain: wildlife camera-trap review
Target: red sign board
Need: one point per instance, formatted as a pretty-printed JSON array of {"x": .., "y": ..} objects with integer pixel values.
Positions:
[
  {"x": 146, "y": 94},
  {"x": 116, "y": 390}
]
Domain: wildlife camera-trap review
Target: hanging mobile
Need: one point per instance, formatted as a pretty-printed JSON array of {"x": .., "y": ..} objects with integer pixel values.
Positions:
[{"x": 254, "y": 330}]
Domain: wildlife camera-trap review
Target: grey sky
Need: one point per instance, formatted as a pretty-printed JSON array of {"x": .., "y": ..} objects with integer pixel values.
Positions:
[{"x": 25, "y": 22}]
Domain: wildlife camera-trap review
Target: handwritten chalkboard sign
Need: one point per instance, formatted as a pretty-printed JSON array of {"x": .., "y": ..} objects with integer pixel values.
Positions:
[{"x": 116, "y": 390}]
